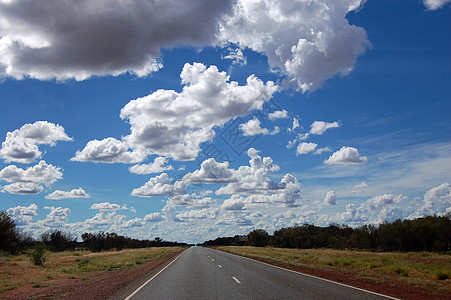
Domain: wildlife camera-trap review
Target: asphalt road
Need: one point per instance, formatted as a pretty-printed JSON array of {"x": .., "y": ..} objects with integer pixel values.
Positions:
[{"x": 203, "y": 273}]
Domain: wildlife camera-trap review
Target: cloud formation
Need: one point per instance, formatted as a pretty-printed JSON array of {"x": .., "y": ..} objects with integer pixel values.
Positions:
[
  {"x": 73, "y": 194},
  {"x": 309, "y": 41},
  {"x": 160, "y": 186},
  {"x": 331, "y": 198},
  {"x": 305, "y": 148},
  {"x": 174, "y": 124},
  {"x": 436, "y": 201},
  {"x": 157, "y": 166},
  {"x": 109, "y": 150},
  {"x": 346, "y": 156},
  {"x": 252, "y": 127},
  {"x": 21, "y": 145},
  {"x": 80, "y": 39},
  {"x": 319, "y": 127},
  {"x": 30, "y": 180}
]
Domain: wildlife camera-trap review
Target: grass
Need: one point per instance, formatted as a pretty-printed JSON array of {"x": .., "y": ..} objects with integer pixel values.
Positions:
[
  {"x": 18, "y": 270},
  {"x": 421, "y": 269}
]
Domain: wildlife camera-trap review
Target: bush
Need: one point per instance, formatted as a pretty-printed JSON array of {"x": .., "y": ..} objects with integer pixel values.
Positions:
[{"x": 38, "y": 255}]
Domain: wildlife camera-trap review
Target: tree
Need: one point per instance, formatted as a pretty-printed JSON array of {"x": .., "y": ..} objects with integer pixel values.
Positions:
[
  {"x": 59, "y": 241},
  {"x": 8, "y": 233},
  {"x": 258, "y": 238}
]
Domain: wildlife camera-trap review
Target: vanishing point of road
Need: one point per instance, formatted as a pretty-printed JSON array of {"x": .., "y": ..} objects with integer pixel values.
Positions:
[{"x": 203, "y": 273}]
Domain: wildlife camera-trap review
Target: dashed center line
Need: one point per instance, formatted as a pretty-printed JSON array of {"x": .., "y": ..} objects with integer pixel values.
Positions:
[
  {"x": 212, "y": 259},
  {"x": 237, "y": 281},
  {"x": 220, "y": 266}
]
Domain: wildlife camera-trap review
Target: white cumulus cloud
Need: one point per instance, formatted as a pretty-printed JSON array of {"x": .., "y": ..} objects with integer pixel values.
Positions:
[
  {"x": 346, "y": 156},
  {"x": 331, "y": 198},
  {"x": 20, "y": 145},
  {"x": 319, "y": 127},
  {"x": 309, "y": 41},
  {"x": 75, "y": 193},
  {"x": 174, "y": 124},
  {"x": 158, "y": 166},
  {"x": 109, "y": 150},
  {"x": 305, "y": 148},
  {"x": 252, "y": 127}
]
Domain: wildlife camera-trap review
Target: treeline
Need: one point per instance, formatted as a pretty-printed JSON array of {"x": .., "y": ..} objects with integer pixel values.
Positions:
[
  {"x": 432, "y": 233},
  {"x": 14, "y": 241}
]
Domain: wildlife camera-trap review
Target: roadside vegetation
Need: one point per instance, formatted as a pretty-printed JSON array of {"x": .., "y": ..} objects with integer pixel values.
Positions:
[
  {"x": 58, "y": 255},
  {"x": 18, "y": 270},
  {"x": 423, "y": 270},
  {"x": 432, "y": 233}
]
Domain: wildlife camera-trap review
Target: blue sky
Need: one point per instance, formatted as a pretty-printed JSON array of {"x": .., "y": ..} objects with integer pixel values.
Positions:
[{"x": 222, "y": 117}]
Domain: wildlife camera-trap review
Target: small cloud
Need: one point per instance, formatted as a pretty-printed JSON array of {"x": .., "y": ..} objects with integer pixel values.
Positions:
[
  {"x": 305, "y": 148},
  {"x": 319, "y": 127},
  {"x": 236, "y": 56},
  {"x": 253, "y": 128},
  {"x": 435, "y": 4},
  {"x": 279, "y": 114},
  {"x": 346, "y": 156},
  {"x": 331, "y": 198},
  {"x": 75, "y": 193}
]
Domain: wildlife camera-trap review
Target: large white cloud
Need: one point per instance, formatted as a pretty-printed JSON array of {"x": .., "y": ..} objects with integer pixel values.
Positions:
[
  {"x": 23, "y": 215},
  {"x": 346, "y": 156},
  {"x": 79, "y": 39},
  {"x": 30, "y": 180},
  {"x": 309, "y": 41},
  {"x": 21, "y": 144},
  {"x": 174, "y": 124},
  {"x": 436, "y": 201},
  {"x": 42, "y": 173},
  {"x": 75, "y": 193},
  {"x": 23, "y": 188},
  {"x": 109, "y": 150}
]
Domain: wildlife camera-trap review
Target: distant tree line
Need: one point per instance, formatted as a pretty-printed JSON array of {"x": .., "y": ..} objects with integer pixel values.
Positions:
[
  {"x": 432, "y": 233},
  {"x": 14, "y": 241}
]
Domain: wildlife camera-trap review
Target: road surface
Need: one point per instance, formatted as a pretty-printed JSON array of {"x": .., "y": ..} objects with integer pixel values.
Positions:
[{"x": 203, "y": 273}]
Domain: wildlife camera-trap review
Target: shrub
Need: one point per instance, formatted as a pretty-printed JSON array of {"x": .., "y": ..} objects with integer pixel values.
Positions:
[{"x": 38, "y": 255}]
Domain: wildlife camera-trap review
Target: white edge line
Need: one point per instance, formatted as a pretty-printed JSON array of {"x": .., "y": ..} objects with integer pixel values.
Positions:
[
  {"x": 144, "y": 284},
  {"x": 237, "y": 281},
  {"x": 339, "y": 283}
]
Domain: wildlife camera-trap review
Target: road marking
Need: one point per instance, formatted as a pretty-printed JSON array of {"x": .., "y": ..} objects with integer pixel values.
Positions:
[
  {"x": 212, "y": 259},
  {"x": 237, "y": 281},
  {"x": 220, "y": 266},
  {"x": 144, "y": 284},
  {"x": 339, "y": 283}
]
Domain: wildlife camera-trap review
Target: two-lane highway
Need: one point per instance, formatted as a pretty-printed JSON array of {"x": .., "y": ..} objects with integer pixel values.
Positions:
[{"x": 203, "y": 273}]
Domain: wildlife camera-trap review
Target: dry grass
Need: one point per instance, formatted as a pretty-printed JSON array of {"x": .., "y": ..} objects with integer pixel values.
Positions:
[
  {"x": 16, "y": 271},
  {"x": 421, "y": 269}
]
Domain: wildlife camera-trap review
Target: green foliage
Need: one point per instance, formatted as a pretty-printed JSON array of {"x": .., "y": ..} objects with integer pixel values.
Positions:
[
  {"x": 59, "y": 241},
  {"x": 258, "y": 238},
  {"x": 432, "y": 234},
  {"x": 38, "y": 255},
  {"x": 11, "y": 240}
]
